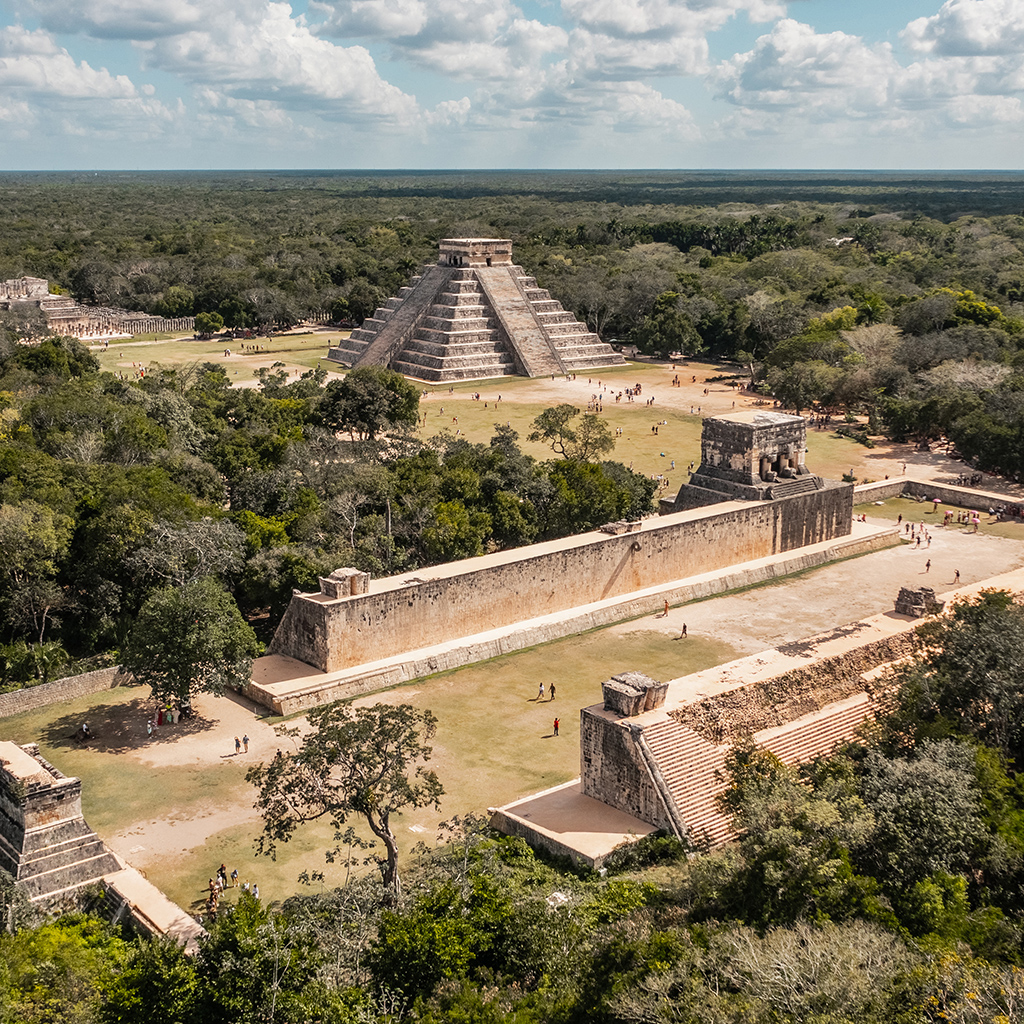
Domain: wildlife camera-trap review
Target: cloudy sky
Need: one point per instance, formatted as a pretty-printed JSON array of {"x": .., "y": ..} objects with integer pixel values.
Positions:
[{"x": 142, "y": 84}]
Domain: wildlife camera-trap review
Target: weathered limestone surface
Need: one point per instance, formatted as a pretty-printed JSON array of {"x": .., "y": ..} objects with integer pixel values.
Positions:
[
  {"x": 403, "y": 613},
  {"x": 474, "y": 314},
  {"x": 917, "y": 602},
  {"x": 750, "y": 455},
  {"x": 45, "y": 843}
]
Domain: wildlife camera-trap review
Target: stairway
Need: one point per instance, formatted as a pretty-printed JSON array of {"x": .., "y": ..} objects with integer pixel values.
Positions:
[
  {"x": 518, "y": 320},
  {"x": 401, "y": 319},
  {"x": 798, "y": 485},
  {"x": 577, "y": 348},
  {"x": 690, "y": 766},
  {"x": 818, "y": 733}
]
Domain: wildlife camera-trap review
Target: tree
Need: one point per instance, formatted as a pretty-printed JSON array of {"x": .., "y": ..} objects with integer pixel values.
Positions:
[
  {"x": 188, "y": 640},
  {"x": 368, "y": 762},
  {"x": 209, "y": 323},
  {"x": 369, "y": 401},
  {"x": 588, "y": 439}
]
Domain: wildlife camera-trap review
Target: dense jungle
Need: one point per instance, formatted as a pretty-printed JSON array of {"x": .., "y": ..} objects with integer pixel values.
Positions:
[{"x": 883, "y": 884}]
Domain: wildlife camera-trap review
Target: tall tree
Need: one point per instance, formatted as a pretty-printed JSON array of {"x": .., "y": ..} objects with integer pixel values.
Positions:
[
  {"x": 188, "y": 640},
  {"x": 369, "y": 762},
  {"x": 579, "y": 440},
  {"x": 369, "y": 401}
]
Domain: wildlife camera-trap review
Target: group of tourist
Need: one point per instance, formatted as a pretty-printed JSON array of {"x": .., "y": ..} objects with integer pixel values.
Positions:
[{"x": 220, "y": 882}]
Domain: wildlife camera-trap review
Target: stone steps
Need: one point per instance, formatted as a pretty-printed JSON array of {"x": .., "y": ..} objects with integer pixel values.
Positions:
[
  {"x": 819, "y": 734},
  {"x": 690, "y": 766},
  {"x": 400, "y": 325},
  {"x": 799, "y": 485}
]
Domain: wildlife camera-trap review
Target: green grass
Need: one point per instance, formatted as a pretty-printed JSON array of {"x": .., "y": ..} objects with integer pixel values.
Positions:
[
  {"x": 916, "y": 511},
  {"x": 493, "y": 744},
  {"x": 302, "y": 351}
]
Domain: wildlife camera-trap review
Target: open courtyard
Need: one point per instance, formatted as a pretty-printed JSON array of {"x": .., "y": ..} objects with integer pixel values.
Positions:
[{"x": 176, "y": 804}]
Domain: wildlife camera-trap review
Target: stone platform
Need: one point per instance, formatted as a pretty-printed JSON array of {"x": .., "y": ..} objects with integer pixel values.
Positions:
[{"x": 662, "y": 768}]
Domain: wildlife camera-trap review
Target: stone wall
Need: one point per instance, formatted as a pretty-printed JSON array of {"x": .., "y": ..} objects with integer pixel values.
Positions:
[
  {"x": 731, "y": 716},
  {"x": 613, "y": 769},
  {"x": 60, "y": 690},
  {"x": 404, "y": 613},
  {"x": 948, "y": 494}
]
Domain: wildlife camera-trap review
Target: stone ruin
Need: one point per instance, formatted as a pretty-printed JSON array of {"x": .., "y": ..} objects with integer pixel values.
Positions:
[
  {"x": 345, "y": 583},
  {"x": 67, "y": 318},
  {"x": 918, "y": 602},
  {"x": 751, "y": 456},
  {"x": 45, "y": 843},
  {"x": 474, "y": 314},
  {"x": 632, "y": 693}
]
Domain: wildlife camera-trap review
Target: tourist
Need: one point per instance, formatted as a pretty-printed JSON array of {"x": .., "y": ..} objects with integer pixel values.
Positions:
[
  {"x": 683, "y": 634},
  {"x": 238, "y": 746},
  {"x": 956, "y": 576},
  {"x": 234, "y": 878},
  {"x": 245, "y": 742},
  {"x": 540, "y": 692},
  {"x": 255, "y": 891},
  {"x": 928, "y": 565},
  {"x": 556, "y": 726},
  {"x": 552, "y": 691}
]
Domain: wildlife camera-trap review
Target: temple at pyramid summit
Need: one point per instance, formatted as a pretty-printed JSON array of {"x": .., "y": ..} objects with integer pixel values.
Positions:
[{"x": 474, "y": 314}]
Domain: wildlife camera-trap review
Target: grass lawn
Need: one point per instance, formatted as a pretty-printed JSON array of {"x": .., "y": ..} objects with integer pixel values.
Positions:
[
  {"x": 915, "y": 511},
  {"x": 494, "y": 743}
]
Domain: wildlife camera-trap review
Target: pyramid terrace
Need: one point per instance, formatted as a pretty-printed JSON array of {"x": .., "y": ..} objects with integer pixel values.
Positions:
[{"x": 474, "y": 315}]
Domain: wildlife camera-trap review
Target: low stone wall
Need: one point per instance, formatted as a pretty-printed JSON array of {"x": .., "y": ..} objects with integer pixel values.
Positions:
[
  {"x": 948, "y": 494},
  {"x": 801, "y": 691},
  {"x": 408, "y": 612},
  {"x": 60, "y": 690}
]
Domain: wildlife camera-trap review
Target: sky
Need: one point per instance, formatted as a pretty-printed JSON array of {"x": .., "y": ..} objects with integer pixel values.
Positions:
[{"x": 339, "y": 84}]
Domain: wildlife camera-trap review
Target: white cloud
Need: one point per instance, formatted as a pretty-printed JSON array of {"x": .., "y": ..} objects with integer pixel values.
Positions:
[
  {"x": 44, "y": 89},
  {"x": 32, "y": 62},
  {"x": 484, "y": 40},
  {"x": 275, "y": 58},
  {"x": 970, "y": 28},
  {"x": 795, "y": 67},
  {"x": 658, "y": 19},
  {"x": 795, "y": 78},
  {"x": 124, "y": 19}
]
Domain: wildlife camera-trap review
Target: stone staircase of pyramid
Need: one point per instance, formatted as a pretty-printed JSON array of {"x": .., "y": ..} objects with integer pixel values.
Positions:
[
  {"x": 460, "y": 338},
  {"x": 689, "y": 769},
  {"x": 577, "y": 348},
  {"x": 470, "y": 322}
]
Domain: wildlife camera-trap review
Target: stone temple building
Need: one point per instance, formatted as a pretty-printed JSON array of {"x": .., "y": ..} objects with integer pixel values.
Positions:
[
  {"x": 474, "y": 314},
  {"x": 749, "y": 456},
  {"x": 45, "y": 843}
]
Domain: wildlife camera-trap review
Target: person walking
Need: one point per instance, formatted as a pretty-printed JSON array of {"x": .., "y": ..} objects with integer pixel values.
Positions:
[
  {"x": 956, "y": 576},
  {"x": 551, "y": 690},
  {"x": 556, "y": 726},
  {"x": 928, "y": 565},
  {"x": 245, "y": 742},
  {"x": 540, "y": 692},
  {"x": 238, "y": 745}
]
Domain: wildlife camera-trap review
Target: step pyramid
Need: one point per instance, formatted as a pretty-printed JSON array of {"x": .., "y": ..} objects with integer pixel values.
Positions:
[{"x": 474, "y": 314}]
